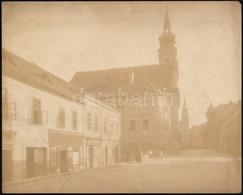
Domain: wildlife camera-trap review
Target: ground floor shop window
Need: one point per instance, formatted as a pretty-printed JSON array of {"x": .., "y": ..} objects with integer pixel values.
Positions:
[
  {"x": 81, "y": 157},
  {"x": 75, "y": 158}
]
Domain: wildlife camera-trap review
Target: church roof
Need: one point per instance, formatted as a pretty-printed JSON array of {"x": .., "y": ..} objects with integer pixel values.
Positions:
[
  {"x": 114, "y": 74},
  {"x": 149, "y": 77},
  {"x": 31, "y": 74},
  {"x": 146, "y": 79}
]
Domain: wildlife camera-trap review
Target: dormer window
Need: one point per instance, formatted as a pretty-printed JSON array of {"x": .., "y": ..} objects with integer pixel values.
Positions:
[{"x": 45, "y": 77}]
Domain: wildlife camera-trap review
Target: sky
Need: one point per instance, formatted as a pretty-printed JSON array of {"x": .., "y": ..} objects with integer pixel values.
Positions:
[{"x": 81, "y": 36}]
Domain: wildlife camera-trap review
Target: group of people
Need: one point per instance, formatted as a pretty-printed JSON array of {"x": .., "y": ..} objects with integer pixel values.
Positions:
[{"x": 137, "y": 155}]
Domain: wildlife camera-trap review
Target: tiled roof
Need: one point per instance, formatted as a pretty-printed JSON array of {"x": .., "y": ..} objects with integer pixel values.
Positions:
[
  {"x": 146, "y": 78},
  {"x": 114, "y": 74},
  {"x": 31, "y": 74}
]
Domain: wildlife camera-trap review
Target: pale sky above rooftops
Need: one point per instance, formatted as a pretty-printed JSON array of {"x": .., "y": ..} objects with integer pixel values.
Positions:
[{"x": 82, "y": 36}]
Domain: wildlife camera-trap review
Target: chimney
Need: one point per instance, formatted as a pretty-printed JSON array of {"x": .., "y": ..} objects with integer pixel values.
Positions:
[{"x": 131, "y": 77}]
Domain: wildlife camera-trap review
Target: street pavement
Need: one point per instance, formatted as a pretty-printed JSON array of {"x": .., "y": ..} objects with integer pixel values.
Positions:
[{"x": 191, "y": 171}]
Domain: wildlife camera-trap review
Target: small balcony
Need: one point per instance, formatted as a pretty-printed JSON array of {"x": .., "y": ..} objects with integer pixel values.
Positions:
[{"x": 37, "y": 117}]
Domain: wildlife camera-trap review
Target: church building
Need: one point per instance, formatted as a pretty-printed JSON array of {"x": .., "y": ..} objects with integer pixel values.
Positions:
[{"x": 150, "y": 119}]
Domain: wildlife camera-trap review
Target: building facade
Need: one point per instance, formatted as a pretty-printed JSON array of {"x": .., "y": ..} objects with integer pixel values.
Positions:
[
  {"x": 223, "y": 128},
  {"x": 45, "y": 131},
  {"x": 145, "y": 125}
]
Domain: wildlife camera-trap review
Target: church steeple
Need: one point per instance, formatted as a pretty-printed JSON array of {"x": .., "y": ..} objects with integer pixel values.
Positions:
[
  {"x": 185, "y": 116},
  {"x": 210, "y": 108},
  {"x": 166, "y": 22},
  {"x": 167, "y": 51},
  {"x": 169, "y": 68}
]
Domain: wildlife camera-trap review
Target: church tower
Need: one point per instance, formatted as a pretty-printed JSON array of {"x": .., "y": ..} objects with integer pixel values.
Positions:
[
  {"x": 169, "y": 69},
  {"x": 184, "y": 127}
]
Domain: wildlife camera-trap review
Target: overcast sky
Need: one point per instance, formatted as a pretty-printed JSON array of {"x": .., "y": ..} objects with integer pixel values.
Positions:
[{"x": 67, "y": 37}]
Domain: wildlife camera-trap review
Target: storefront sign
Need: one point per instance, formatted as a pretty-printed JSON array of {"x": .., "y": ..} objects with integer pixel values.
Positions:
[{"x": 65, "y": 139}]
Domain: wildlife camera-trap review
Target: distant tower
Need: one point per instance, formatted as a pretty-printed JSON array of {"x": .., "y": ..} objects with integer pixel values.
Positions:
[
  {"x": 185, "y": 117},
  {"x": 210, "y": 108},
  {"x": 184, "y": 126},
  {"x": 169, "y": 75}
]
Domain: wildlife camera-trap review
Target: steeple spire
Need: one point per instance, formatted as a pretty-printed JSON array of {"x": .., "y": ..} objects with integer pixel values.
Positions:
[
  {"x": 210, "y": 107},
  {"x": 184, "y": 106},
  {"x": 166, "y": 21}
]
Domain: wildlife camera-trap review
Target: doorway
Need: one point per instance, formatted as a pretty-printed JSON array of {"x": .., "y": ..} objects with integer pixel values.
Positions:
[
  {"x": 64, "y": 161},
  {"x": 36, "y": 162},
  {"x": 7, "y": 165},
  {"x": 91, "y": 157}
]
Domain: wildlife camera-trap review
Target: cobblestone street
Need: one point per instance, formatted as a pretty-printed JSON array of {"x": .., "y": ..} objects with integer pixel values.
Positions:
[{"x": 174, "y": 174}]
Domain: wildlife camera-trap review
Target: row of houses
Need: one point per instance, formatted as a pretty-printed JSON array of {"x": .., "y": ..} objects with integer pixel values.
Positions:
[
  {"x": 223, "y": 128},
  {"x": 221, "y": 131},
  {"x": 45, "y": 130}
]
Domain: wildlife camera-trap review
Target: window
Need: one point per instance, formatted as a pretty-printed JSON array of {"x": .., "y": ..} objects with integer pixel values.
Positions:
[
  {"x": 36, "y": 115},
  {"x": 61, "y": 118},
  {"x": 4, "y": 94},
  {"x": 5, "y": 105},
  {"x": 74, "y": 120},
  {"x": 105, "y": 125},
  {"x": 145, "y": 124},
  {"x": 89, "y": 122},
  {"x": 96, "y": 123},
  {"x": 75, "y": 158},
  {"x": 36, "y": 112},
  {"x": 112, "y": 126},
  {"x": 132, "y": 125}
]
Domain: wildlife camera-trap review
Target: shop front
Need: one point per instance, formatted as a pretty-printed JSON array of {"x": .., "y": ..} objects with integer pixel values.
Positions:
[{"x": 65, "y": 151}]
